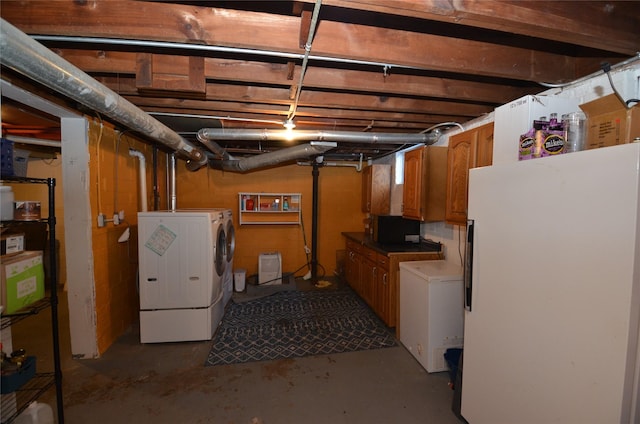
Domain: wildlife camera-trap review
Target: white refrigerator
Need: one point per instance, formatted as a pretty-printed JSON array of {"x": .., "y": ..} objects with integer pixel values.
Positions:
[{"x": 552, "y": 290}]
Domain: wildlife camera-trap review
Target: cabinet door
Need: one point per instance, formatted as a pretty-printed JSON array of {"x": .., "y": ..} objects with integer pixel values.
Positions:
[
  {"x": 368, "y": 276},
  {"x": 412, "y": 190},
  {"x": 425, "y": 183},
  {"x": 383, "y": 287},
  {"x": 484, "y": 146},
  {"x": 376, "y": 189},
  {"x": 366, "y": 188},
  {"x": 352, "y": 265},
  {"x": 469, "y": 149},
  {"x": 459, "y": 161}
]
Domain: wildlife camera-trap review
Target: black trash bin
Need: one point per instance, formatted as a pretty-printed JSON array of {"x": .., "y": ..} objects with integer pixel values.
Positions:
[{"x": 454, "y": 359}]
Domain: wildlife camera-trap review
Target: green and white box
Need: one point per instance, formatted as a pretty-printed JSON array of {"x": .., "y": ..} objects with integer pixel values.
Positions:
[{"x": 22, "y": 278}]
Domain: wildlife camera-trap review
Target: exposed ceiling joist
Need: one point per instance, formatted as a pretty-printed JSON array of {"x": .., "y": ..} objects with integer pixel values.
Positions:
[{"x": 375, "y": 65}]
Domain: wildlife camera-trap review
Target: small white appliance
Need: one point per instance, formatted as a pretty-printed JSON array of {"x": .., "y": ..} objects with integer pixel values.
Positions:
[
  {"x": 431, "y": 310},
  {"x": 239, "y": 279},
  {"x": 182, "y": 261},
  {"x": 270, "y": 269}
]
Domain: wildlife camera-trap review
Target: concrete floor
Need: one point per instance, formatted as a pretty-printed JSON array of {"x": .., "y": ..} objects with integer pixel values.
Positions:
[{"x": 168, "y": 383}]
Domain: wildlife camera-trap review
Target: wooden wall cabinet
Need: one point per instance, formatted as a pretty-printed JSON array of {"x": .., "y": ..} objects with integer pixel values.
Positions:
[
  {"x": 425, "y": 183},
  {"x": 376, "y": 189},
  {"x": 468, "y": 149}
]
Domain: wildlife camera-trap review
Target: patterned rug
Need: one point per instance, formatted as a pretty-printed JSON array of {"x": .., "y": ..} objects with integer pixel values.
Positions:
[{"x": 297, "y": 323}]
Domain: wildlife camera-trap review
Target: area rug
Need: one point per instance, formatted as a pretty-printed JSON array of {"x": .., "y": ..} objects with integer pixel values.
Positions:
[{"x": 292, "y": 324}]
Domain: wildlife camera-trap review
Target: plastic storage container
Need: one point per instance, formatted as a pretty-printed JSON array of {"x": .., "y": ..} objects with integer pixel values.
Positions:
[
  {"x": 6, "y": 203},
  {"x": 36, "y": 413},
  {"x": 239, "y": 280},
  {"x": 575, "y": 127}
]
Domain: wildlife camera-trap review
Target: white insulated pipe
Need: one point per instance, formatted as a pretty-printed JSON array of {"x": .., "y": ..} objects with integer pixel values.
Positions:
[{"x": 142, "y": 178}]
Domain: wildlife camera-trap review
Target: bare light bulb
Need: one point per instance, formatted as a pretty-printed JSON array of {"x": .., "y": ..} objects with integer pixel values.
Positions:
[{"x": 289, "y": 125}]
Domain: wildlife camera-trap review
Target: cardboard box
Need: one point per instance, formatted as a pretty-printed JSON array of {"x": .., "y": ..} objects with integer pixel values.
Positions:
[
  {"x": 610, "y": 123},
  {"x": 11, "y": 244},
  {"x": 22, "y": 280},
  {"x": 26, "y": 210}
]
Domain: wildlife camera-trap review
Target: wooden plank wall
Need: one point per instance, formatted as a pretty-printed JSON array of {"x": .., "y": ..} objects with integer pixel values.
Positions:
[{"x": 115, "y": 264}]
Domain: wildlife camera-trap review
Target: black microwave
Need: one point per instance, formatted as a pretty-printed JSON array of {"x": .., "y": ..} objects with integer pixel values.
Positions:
[{"x": 389, "y": 229}]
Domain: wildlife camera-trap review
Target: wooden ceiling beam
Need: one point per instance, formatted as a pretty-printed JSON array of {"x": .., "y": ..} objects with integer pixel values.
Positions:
[
  {"x": 280, "y": 96},
  {"x": 606, "y": 25},
  {"x": 119, "y": 63},
  {"x": 232, "y": 28},
  {"x": 268, "y": 112}
]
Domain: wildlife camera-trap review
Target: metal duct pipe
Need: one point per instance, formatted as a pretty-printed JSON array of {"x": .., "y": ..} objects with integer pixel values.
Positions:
[
  {"x": 214, "y": 147},
  {"x": 357, "y": 166},
  {"x": 23, "y": 54},
  {"x": 273, "y": 158},
  {"x": 218, "y": 134}
]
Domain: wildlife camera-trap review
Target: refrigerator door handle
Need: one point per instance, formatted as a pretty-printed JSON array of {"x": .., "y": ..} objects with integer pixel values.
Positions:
[{"x": 468, "y": 265}]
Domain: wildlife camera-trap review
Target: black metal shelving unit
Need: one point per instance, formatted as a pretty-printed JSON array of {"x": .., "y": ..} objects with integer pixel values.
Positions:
[{"x": 41, "y": 382}]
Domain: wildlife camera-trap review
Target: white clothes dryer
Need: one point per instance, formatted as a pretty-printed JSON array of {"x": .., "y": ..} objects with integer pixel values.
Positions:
[{"x": 182, "y": 258}]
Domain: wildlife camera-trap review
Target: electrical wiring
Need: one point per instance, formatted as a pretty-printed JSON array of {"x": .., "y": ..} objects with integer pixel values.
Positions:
[
  {"x": 290, "y": 274},
  {"x": 115, "y": 170},
  {"x": 304, "y": 238},
  {"x": 606, "y": 68}
]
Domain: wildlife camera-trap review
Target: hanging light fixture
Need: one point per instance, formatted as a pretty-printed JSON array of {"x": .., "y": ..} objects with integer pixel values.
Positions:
[{"x": 289, "y": 124}]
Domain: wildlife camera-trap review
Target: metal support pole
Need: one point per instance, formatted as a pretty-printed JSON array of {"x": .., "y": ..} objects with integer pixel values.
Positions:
[
  {"x": 53, "y": 271},
  {"x": 314, "y": 223}
]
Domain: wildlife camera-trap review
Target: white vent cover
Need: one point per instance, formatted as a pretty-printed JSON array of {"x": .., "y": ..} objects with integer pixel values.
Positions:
[{"x": 270, "y": 269}]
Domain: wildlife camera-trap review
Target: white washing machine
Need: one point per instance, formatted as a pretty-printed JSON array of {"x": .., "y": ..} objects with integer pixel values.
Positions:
[{"x": 183, "y": 260}]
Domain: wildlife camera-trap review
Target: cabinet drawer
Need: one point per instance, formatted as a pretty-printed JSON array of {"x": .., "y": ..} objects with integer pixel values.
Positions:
[
  {"x": 354, "y": 246},
  {"x": 369, "y": 254},
  {"x": 383, "y": 261}
]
